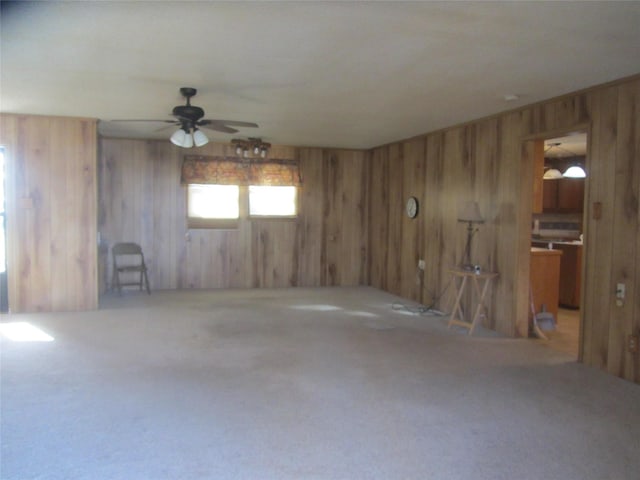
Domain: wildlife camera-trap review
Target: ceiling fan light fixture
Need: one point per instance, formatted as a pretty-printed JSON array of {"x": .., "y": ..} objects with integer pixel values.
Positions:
[
  {"x": 575, "y": 171},
  {"x": 188, "y": 141},
  {"x": 178, "y": 137},
  {"x": 199, "y": 138}
]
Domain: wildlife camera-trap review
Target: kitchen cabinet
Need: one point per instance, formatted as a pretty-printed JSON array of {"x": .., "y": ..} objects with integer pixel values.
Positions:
[
  {"x": 570, "y": 274},
  {"x": 563, "y": 195},
  {"x": 545, "y": 279},
  {"x": 550, "y": 195}
]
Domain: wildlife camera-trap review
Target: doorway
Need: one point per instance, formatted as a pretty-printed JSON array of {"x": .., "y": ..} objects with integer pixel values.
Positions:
[{"x": 558, "y": 224}]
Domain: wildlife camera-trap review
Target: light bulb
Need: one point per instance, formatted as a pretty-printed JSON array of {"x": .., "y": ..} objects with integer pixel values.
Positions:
[
  {"x": 245, "y": 153},
  {"x": 263, "y": 152},
  {"x": 238, "y": 150},
  {"x": 256, "y": 150}
]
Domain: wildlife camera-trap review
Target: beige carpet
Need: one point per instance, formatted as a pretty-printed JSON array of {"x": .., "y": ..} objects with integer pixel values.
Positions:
[{"x": 301, "y": 384}]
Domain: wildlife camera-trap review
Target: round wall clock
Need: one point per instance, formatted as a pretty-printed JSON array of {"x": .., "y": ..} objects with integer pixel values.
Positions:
[{"x": 412, "y": 207}]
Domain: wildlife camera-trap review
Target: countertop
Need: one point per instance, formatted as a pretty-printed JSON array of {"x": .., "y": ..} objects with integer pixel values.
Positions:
[
  {"x": 544, "y": 251},
  {"x": 547, "y": 241}
]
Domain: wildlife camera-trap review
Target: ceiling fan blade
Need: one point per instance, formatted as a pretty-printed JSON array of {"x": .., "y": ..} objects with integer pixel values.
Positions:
[
  {"x": 218, "y": 128},
  {"x": 144, "y": 120},
  {"x": 166, "y": 127},
  {"x": 233, "y": 123}
]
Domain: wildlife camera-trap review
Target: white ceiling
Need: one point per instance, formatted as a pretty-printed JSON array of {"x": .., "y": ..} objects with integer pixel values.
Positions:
[
  {"x": 574, "y": 145},
  {"x": 341, "y": 74}
]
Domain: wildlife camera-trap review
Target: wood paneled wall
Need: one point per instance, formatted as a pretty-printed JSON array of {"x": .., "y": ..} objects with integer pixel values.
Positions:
[
  {"x": 491, "y": 161},
  {"x": 141, "y": 200},
  {"x": 51, "y": 212}
]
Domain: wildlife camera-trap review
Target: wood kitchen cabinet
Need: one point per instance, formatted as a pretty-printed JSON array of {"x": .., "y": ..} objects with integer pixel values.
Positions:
[
  {"x": 545, "y": 279},
  {"x": 563, "y": 195},
  {"x": 550, "y": 195},
  {"x": 570, "y": 274}
]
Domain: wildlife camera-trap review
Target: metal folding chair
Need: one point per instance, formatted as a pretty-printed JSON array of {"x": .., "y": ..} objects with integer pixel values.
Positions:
[{"x": 129, "y": 267}]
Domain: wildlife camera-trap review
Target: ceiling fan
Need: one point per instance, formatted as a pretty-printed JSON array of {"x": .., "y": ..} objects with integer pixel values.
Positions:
[{"x": 189, "y": 118}]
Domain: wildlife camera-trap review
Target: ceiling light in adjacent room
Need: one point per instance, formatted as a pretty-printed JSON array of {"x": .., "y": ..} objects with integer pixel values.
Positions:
[
  {"x": 575, "y": 171},
  {"x": 552, "y": 174}
]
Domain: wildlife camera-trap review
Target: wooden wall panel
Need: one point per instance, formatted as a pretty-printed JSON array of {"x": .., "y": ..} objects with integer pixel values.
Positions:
[
  {"x": 141, "y": 200},
  {"x": 413, "y": 184},
  {"x": 507, "y": 226},
  {"x": 379, "y": 222},
  {"x": 599, "y": 242},
  {"x": 310, "y": 231},
  {"x": 488, "y": 161},
  {"x": 51, "y": 212},
  {"x": 624, "y": 318},
  {"x": 395, "y": 242},
  {"x": 434, "y": 283}
]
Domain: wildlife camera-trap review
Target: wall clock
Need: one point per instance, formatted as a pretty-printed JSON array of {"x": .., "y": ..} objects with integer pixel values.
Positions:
[{"x": 412, "y": 207}]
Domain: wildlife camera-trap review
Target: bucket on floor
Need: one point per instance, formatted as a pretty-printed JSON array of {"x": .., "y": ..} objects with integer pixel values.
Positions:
[{"x": 545, "y": 320}]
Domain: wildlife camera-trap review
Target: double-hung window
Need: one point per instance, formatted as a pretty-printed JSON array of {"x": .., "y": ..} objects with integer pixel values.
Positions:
[
  {"x": 221, "y": 191},
  {"x": 213, "y": 206},
  {"x": 273, "y": 201}
]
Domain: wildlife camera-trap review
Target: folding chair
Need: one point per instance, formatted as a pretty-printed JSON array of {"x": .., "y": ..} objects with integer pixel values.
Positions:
[{"x": 128, "y": 261}]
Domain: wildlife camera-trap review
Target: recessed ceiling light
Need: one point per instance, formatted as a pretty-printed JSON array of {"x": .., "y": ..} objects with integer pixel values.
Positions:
[{"x": 510, "y": 97}]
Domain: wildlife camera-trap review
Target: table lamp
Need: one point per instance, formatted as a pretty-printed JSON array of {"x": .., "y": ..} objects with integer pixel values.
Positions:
[{"x": 470, "y": 213}]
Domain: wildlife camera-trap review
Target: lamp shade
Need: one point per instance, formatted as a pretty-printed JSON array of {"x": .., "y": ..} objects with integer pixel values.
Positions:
[
  {"x": 178, "y": 137},
  {"x": 188, "y": 141},
  {"x": 552, "y": 174},
  {"x": 575, "y": 171},
  {"x": 199, "y": 138},
  {"x": 470, "y": 212}
]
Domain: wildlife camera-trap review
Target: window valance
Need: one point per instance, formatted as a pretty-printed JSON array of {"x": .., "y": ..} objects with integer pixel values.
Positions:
[{"x": 238, "y": 171}]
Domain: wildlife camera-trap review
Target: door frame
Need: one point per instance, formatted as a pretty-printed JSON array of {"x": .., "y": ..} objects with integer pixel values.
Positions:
[{"x": 524, "y": 227}]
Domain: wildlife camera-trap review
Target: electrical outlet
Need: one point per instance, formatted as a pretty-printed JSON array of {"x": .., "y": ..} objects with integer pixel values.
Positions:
[
  {"x": 632, "y": 343},
  {"x": 421, "y": 264},
  {"x": 620, "y": 294}
]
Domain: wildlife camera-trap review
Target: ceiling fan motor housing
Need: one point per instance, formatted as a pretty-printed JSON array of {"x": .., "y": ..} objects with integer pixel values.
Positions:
[{"x": 188, "y": 112}]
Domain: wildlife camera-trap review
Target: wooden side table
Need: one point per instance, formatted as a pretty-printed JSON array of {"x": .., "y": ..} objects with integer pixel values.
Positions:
[{"x": 481, "y": 282}]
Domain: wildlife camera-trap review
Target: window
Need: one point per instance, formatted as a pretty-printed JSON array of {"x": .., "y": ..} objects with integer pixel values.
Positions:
[
  {"x": 267, "y": 201},
  {"x": 213, "y": 206},
  {"x": 224, "y": 190}
]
